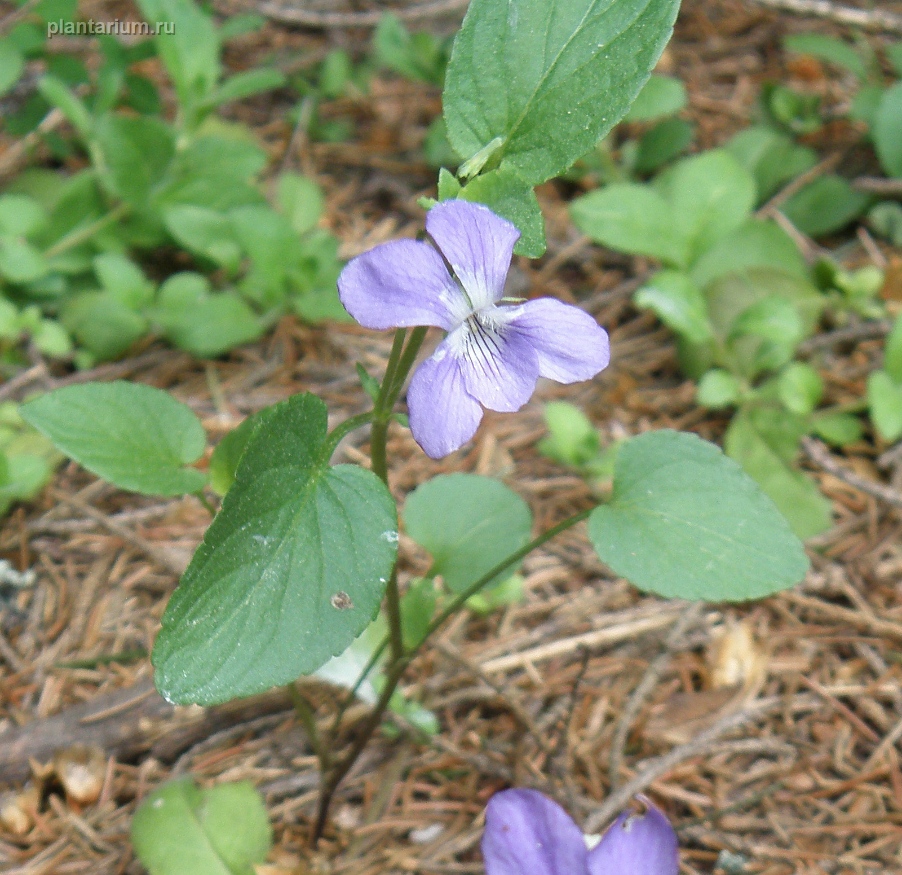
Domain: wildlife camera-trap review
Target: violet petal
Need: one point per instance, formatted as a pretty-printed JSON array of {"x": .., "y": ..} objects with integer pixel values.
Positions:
[
  {"x": 443, "y": 416},
  {"x": 641, "y": 844},
  {"x": 571, "y": 346},
  {"x": 400, "y": 284},
  {"x": 528, "y": 834},
  {"x": 477, "y": 244},
  {"x": 499, "y": 366}
]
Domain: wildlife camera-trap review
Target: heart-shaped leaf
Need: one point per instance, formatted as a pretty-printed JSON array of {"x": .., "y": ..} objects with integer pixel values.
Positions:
[
  {"x": 686, "y": 522},
  {"x": 137, "y": 437},
  {"x": 290, "y": 572}
]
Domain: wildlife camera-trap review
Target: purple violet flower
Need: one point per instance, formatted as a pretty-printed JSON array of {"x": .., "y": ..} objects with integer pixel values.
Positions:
[
  {"x": 527, "y": 833},
  {"x": 495, "y": 350}
]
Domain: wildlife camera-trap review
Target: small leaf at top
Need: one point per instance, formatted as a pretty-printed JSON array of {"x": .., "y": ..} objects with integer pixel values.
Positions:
[
  {"x": 137, "y": 437},
  {"x": 686, "y": 522},
  {"x": 512, "y": 199},
  {"x": 549, "y": 77},
  {"x": 291, "y": 570}
]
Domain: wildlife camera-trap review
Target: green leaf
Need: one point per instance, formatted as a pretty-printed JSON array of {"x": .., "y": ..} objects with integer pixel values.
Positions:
[
  {"x": 754, "y": 244},
  {"x": 21, "y": 215},
  {"x": 20, "y": 262},
  {"x": 839, "y": 429},
  {"x": 678, "y": 303},
  {"x": 764, "y": 441},
  {"x": 469, "y": 524},
  {"x": 892, "y": 352},
  {"x": 894, "y": 55},
  {"x": 887, "y": 130},
  {"x": 245, "y": 84},
  {"x": 664, "y": 142},
  {"x": 660, "y": 96},
  {"x": 800, "y": 388},
  {"x": 572, "y": 439},
  {"x": 771, "y": 156},
  {"x": 772, "y": 318},
  {"x": 56, "y": 93},
  {"x": 512, "y": 199},
  {"x": 227, "y": 455},
  {"x": 301, "y": 201},
  {"x": 686, "y": 522},
  {"x": 417, "y": 609},
  {"x": 507, "y": 592},
  {"x": 213, "y": 172},
  {"x": 825, "y": 205},
  {"x": 102, "y": 323},
  {"x": 885, "y": 403},
  {"x": 632, "y": 218},
  {"x": 550, "y": 77},
  {"x": 190, "y": 50},
  {"x": 291, "y": 570},
  {"x": 211, "y": 325},
  {"x": 885, "y": 219},
  {"x": 123, "y": 279},
  {"x": 220, "y": 831},
  {"x": 11, "y": 65},
  {"x": 829, "y": 49},
  {"x": 709, "y": 196},
  {"x": 718, "y": 389},
  {"x": 205, "y": 232},
  {"x": 137, "y": 437},
  {"x": 136, "y": 153}
]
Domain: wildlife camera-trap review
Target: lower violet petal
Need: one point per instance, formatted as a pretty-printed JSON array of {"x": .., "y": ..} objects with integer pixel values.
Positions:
[
  {"x": 528, "y": 834},
  {"x": 500, "y": 368},
  {"x": 639, "y": 843},
  {"x": 443, "y": 416},
  {"x": 571, "y": 346}
]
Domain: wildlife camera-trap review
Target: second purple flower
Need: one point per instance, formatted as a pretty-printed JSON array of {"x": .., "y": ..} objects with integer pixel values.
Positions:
[{"x": 494, "y": 352}]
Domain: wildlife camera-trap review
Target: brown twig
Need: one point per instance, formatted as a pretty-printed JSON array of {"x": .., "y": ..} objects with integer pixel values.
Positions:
[
  {"x": 868, "y": 19},
  {"x": 126, "y": 723},
  {"x": 653, "y": 769},
  {"x": 821, "y": 456},
  {"x": 316, "y": 18},
  {"x": 878, "y": 185},
  {"x": 869, "y": 330},
  {"x": 526, "y": 721},
  {"x": 168, "y": 559}
]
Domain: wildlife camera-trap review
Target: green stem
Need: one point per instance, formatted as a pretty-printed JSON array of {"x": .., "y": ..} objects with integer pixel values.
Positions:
[
  {"x": 337, "y": 774},
  {"x": 82, "y": 235},
  {"x": 397, "y": 667},
  {"x": 308, "y": 718},
  {"x": 205, "y": 502},
  {"x": 459, "y": 600},
  {"x": 417, "y": 336},
  {"x": 342, "y": 430},
  {"x": 352, "y": 693}
]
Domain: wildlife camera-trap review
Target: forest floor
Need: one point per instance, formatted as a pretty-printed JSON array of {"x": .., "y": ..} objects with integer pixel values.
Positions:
[{"x": 769, "y": 732}]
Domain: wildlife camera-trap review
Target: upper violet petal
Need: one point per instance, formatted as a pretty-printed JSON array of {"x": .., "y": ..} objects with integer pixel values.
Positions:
[
  {"x": 500, "y": 368},
  {"x": 641, "y": 844},
  {"x": 443, "y": 416},
  {"x": 571, "y": 346},
  {"x": 477, "y": 243},
  {"x": 401, "y": 284},
  {"x": 528, "y": 834}
]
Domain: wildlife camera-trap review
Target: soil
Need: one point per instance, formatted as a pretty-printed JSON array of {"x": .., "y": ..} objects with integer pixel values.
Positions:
[{"x": 769, "y": 732}]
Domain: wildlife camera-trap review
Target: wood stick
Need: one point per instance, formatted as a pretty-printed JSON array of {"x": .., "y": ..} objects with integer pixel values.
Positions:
[{"x": 127, "y": 723}]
